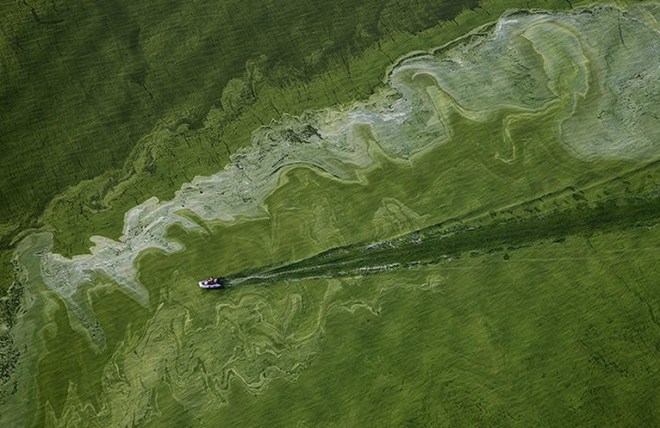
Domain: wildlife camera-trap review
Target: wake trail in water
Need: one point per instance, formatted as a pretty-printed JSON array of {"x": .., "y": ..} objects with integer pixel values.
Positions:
[{"x": 441, "y": 243}]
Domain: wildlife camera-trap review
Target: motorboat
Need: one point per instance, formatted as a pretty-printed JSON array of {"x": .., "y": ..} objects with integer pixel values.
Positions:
[{"x": 212, "y": 283}]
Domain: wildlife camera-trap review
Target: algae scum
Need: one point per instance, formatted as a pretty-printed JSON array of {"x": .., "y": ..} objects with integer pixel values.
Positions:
[{"x": 475, "y": 242}]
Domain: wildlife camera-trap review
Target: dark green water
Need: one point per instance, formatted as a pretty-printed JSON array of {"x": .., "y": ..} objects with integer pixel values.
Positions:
[{"x": 467, "y": 236}]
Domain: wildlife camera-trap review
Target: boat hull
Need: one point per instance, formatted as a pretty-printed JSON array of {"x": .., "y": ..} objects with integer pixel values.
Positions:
[{"x": 202, "y": 284}]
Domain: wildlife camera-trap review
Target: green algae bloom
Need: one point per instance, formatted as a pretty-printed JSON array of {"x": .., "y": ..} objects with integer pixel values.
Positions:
[{"x": 471, "y": 241}]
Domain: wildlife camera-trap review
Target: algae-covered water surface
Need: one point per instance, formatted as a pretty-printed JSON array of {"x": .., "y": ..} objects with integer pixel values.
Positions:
[{"x": 426, "y": 213}]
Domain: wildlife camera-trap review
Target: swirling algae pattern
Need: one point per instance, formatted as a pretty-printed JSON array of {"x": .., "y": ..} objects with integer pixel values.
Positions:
[{"x": 601, "y": 86}]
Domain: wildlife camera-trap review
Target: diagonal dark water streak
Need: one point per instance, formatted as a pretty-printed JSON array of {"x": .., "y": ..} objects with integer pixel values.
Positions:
[{"x": 507, "y": 229}]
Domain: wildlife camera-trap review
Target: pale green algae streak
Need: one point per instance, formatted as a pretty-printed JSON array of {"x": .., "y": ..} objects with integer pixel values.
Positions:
[{"x": 596, "y": 72}]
